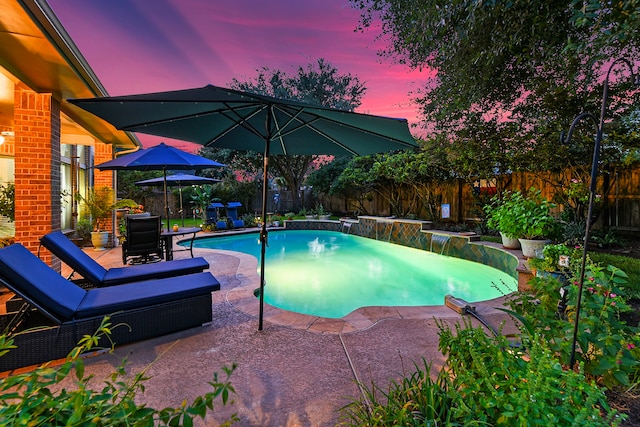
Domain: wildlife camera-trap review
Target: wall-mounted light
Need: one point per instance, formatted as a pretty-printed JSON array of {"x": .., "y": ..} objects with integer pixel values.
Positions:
[{"x": 4, "y": 135}]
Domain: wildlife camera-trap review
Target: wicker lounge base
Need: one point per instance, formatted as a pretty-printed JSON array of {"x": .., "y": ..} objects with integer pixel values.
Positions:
[{"x": 51, "y": 342}]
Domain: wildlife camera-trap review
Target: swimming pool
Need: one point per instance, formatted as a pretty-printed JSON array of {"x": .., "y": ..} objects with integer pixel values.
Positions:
[{"x": 330, "y": 274}]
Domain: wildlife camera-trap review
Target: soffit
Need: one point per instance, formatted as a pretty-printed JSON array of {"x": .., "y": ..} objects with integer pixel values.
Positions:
[{"x": 35, "y": 49}]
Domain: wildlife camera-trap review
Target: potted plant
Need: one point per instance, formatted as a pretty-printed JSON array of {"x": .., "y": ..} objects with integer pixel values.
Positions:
[
  {"x": 99, "y": 204},
  {"x": 500, "y": 217},
  {"x": 8, "y": 201},
  {"x": 554, "y": 261},
  {"x": 83, "y": 232},
  {"x": 322, "y": 214},
  {"x": 533, "y": 221}
]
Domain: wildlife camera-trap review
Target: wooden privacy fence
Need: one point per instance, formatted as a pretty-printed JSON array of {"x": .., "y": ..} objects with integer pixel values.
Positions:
[{"x": 461, "y": 201}]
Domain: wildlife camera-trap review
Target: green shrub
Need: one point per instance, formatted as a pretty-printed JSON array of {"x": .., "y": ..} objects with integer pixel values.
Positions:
[
  {"x": 486, "y": 381},
  {"x": 416, "y": 400},
  {"x": 608, "y": 348},
  {"x": 29, "y": 398},
  {"x": 551, "y": 257},
  {"x": 517, "y": 215},
  {"x": 631, "y": 267},
  {"x": 495, "y": 383}
]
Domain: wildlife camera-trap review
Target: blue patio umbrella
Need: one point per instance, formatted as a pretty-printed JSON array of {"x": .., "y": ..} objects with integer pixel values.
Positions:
[
  {"x": 225, "y": 118},
  {"x": 179, "y": 179},
  {"x": 160, "y": 157}
]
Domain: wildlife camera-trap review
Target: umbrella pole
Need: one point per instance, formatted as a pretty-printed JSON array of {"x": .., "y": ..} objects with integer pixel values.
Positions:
[
  {"x": 166, "y": 198},
  {"x": 263, "y": 232},
  {"x": 181, "y": 208}
]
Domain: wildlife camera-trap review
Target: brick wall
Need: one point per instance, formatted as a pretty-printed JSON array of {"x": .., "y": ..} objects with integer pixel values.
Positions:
[
  {"x": 37, "y": 167},
  {"x": 104, "y": 153}
]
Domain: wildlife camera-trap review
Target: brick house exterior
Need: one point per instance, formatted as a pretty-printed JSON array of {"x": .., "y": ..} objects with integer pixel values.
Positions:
[{"x": 40, "y": 68}]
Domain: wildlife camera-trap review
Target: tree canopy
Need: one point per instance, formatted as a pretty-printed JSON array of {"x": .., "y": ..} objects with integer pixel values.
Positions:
[
  {"x": 318, "y": 83},
  {"x": 535, "y": 64}
]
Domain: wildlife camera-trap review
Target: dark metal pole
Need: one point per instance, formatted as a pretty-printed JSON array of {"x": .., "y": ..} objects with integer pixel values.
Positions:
[
  {"x": 166, "y": 197},
  {"x": 592, "y": 191},
  {"x": 263, "y": 230}
]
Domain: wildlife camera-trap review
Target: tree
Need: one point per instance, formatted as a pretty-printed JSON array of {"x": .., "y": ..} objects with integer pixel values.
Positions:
[
  {"x": 318, "y": 83},
  {"x": 536, "y": 64}
]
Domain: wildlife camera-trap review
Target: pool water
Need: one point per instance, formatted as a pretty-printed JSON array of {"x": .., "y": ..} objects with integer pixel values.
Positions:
[{"x": 330, "y": 274}]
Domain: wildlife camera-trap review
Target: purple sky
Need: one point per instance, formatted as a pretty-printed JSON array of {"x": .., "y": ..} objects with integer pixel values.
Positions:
[{"x": 139, "y": 46}]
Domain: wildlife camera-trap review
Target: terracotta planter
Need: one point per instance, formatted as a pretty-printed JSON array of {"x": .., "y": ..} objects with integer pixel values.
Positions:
[
  {"x": 509, "y": 242},
  {"x": 530, "y": 246}
]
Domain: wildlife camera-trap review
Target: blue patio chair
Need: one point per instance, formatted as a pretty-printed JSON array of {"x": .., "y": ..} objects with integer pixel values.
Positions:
[{"x": 232, "y": 213}]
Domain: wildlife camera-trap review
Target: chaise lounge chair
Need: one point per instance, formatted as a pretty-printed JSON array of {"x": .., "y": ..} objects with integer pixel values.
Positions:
[
  {"x": 59, "y": 245},
  {"x": 67, "y": 311}
]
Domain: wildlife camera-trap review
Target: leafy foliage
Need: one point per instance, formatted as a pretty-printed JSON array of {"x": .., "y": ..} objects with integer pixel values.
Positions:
[
  {"x": 499, "y": 384},
  {"x": 33, "y": 398},
  {"x": 100, "y": 203},
  {"x": 509, "y": 75},
  {"x": 608, "y": 348},
  {"x": 8, "y": 201},
  {"x": 319, "y": 84},
  {"x": 486, "y": 381}
]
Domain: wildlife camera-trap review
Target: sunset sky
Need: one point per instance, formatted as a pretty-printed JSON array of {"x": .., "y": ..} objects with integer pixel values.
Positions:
[{"x": 139, "y": 46}]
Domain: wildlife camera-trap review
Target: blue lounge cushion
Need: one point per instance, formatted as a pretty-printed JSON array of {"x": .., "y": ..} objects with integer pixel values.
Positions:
[
  {"x": 102, "y": 301},
  {"x": 59, "y": 245},
  {"x": 160, "y": 270},
  {"x": 39, "y": 283}
]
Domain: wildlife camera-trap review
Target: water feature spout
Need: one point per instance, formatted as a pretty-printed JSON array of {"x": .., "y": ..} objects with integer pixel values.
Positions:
[
  {"x": 346, "y": 226},
  {"x": 441, "y": 240}
]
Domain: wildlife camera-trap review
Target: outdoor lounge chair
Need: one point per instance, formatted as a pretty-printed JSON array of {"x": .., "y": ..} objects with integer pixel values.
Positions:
[
  {"x": 66, "y": 312},
  {"x": 60, "y": 245}
]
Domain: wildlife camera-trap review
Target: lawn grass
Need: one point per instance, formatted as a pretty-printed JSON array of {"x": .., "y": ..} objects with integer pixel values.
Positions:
[{"x": 629, "y": 265}]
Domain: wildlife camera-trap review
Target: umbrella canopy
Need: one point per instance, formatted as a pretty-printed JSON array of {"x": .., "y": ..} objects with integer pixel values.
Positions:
[
  {"x": 226, "y": 118},
  {"x": 179, "y": 179},
  {"x": 160, "y": 157}
]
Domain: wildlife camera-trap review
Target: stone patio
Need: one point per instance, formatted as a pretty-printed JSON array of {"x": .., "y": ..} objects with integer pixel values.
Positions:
[{"x": 299, "y": 370}]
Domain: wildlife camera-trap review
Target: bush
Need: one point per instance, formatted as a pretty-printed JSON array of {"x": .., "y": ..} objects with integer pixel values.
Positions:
[
  {"x": 29, "y": 398},
  {"x": 608, "y": 348},
  {"x": 416, "y": 400},
  {"x": 498, "y": 384},
  {"x": 486, "y": 381}
]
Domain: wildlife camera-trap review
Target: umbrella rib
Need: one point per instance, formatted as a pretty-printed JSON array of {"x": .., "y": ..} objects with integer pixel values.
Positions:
[
  {"x": 317, "y": 117},
  {"x": 238, "y": 121}
]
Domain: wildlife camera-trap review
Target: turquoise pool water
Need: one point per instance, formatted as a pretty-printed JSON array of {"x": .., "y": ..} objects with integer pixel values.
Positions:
[{"x": 330, "y": 274}]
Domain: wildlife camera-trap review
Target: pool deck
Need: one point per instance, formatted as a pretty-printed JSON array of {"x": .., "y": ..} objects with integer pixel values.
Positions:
[{"x": 299, "y": 370}]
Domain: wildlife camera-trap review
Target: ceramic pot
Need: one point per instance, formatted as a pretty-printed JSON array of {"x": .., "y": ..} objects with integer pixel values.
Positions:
[
  {"x": 510, "y": 242},
  {"x": 530, "y": 246},
  {"x": 99, "y": 239}
]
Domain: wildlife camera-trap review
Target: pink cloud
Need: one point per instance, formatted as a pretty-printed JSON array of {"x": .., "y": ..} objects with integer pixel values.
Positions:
[{"x": 138, "y": 47}]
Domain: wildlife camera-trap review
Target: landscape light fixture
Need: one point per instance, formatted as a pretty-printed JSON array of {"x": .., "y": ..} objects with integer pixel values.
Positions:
[{"x": 592, "y": 188}]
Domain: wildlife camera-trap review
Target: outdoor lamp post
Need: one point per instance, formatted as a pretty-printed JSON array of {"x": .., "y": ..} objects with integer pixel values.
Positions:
[{"x": 592, "y": 188}]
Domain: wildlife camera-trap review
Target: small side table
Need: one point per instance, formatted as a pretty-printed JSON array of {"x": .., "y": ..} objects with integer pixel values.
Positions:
[{"x": 167, "y": 237}]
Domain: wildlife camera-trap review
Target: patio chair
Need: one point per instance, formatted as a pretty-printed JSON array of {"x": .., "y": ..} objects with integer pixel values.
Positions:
[
  {"x": 60, "y": 245},
  {"x": 65, "y": 312},
  {"x": 142, "y": 241},
  {"x": 232, "y": 213}
]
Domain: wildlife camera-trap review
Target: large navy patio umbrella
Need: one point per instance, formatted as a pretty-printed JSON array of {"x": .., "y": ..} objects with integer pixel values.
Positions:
[
  {"x": 225, "y": 118},
  {"x": 178, "y": 179},
  {"x": 160, "y": 157}
]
